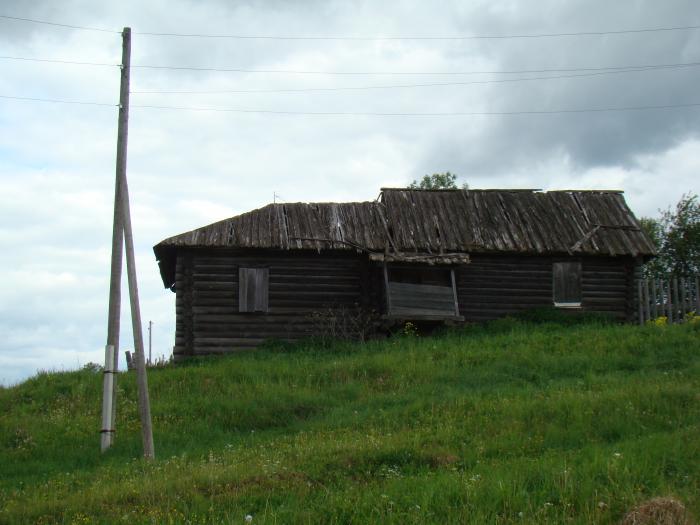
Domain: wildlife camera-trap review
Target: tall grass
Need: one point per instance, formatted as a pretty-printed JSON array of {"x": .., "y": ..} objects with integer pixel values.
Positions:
[{"x": 516, "y": 421}]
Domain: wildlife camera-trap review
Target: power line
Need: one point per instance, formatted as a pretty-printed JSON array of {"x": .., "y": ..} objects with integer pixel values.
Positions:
[
  {"x": 366, "y": 38},
  {"x": 470, "y": 37},
  {"x": 408, "y": 73},
  {"x": 622, "y": 68},
  {"x": 398, "y": 86},
  {"x": 67, "y": 26},
  {"x": 56, "y": 61},
  {"x": 59, "y": 101},
  {"x": 436, "y": 114},
  {"x": 368, "y": 114}
]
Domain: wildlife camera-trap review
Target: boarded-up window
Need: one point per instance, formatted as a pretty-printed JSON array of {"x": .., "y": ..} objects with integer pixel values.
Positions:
[
  {"x": 415, "y": 292},
  {"x": 253, "y": 289},
  {"x": 567, "y": 284}
]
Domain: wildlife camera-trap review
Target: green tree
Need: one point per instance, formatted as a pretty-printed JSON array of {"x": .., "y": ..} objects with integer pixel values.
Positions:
[
  {"x": 676, "y": 236},
  {"x": 652, "y": 227},
  {"x": 437, "y": 181}
]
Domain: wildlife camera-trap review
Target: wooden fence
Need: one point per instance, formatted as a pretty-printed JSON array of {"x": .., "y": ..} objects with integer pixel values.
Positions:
[{"x": 672, "y": 298}]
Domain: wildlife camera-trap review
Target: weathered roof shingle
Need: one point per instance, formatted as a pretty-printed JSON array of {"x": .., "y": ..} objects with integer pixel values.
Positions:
[{"x": 432, "y": 222}]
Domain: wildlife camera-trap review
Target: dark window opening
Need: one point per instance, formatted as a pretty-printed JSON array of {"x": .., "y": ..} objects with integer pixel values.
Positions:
[
  {"x": 413, "y": 275},
  {"x": 567, "y": 284},
  {"x": 253, "y": 289},
  {"x": 415, "y": 292}
]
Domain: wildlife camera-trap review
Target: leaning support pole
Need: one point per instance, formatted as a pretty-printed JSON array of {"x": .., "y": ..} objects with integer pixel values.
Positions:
[
  {"x": 142, "y": 379},
  {"x": 144, "y": 402}
]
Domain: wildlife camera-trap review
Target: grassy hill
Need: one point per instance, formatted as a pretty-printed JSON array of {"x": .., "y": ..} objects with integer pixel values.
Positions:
[{"x": 512, "y": 422}]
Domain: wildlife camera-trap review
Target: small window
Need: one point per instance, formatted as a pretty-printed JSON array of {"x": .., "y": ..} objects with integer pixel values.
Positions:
[
  {"x": 253, "y": 289},
  {"x": 420, "y": 292},
  {"x": 567, "y": 284}
]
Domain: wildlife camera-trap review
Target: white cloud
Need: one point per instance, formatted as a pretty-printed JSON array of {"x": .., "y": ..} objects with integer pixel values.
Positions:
[{"x": 187, "y": 169}]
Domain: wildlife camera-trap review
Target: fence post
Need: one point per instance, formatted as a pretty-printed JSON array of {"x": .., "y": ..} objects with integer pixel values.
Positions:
[
  {"x": 669, "y": 302},
  {"x": 639, "y": 302},
  {"x": 647, "y": 308},
  {"x": 654, "y": 309},
  {"x": 684, "y": 304},
  {"x": 675, "y": 300}
]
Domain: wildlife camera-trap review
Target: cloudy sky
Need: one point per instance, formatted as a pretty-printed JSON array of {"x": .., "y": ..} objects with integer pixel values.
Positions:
[{"x": 307, "y": 125}]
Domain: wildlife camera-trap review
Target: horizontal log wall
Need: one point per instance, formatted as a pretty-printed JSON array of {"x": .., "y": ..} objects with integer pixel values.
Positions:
[
  {"x": 493, "y": 286},
  {"x": 207, "y": 309},
  {"x": 608, "y": 286}
]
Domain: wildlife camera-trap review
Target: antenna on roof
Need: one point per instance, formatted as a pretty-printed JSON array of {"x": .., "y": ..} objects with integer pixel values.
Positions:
[{"x": 276, "y": 196}]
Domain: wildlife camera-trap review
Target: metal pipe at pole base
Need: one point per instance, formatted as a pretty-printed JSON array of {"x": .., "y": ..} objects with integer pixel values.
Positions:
[{"x": 107, "y": 431}]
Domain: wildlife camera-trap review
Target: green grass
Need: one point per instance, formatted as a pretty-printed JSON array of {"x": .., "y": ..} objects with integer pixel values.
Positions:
[{"x": 512, "y": 422}]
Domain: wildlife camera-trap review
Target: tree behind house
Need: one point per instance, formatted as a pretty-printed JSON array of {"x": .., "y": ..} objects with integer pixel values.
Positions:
[
  {"x": 676, "y": 236},
  {"x": 438, "y": 181}
]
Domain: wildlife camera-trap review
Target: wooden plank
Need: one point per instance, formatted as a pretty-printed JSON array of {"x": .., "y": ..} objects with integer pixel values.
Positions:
[
  {"x": 683, "y": 302},
  {"x": 243, "y": 290},
  {"x": 387, "y": 293},
  {"x": 454, "y": 290},
  {"x": 421, "y": 299},
  {"x": 676, "y": 316},
  {"x": 639, "y": 299},
  {"x": 566, "y": 282},
  {"x": 262, "y": 278},
  {"x": 645, "y": 299}
]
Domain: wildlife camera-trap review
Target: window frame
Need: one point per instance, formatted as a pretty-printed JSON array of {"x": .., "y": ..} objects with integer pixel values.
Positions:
[
  {"x": 412, "y": 275},
  {"x": 563, "y": 274},
  {"x": 253, "y": 290}
]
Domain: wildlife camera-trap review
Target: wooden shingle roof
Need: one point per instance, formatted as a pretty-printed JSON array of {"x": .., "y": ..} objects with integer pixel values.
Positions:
[{"x": 432, "y": 222}]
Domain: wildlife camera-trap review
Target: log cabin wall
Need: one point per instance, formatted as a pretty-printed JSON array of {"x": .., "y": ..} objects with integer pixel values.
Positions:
[
  {"x": 301, "y": 283},
  {"x": 207, "y": 302},
  {"x": 493, "y": 286}
]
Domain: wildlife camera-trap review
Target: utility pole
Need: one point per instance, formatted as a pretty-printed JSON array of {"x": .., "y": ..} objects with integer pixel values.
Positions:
[
  {"x": 112, "y": 355},
  {"x": 122, "y": 235}
]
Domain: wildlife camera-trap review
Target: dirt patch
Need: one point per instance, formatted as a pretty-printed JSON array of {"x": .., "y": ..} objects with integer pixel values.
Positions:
[{"x": 659, "y": 511}]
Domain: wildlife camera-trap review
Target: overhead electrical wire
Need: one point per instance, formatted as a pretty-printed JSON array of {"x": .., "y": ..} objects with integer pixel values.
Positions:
[
  {"x": 400, "y": 86},
  {"x": 67, "y": 26},
  {"x": 366, "y": 114},
  {"x": 455, "y": 37},
  {"x": 622, "y": 68},
  {"x": 409, "y": 73},
  {"x": 429, "y": 114},
  {"x": 366, "y": 38},
  {"x": 57, "y": 61},
  {"x": 580, "y": 72},
  {"x": 59, "y": 101}
]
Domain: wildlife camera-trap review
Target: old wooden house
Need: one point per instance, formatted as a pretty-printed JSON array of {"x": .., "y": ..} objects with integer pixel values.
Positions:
[{"x": 439, "y": 255}]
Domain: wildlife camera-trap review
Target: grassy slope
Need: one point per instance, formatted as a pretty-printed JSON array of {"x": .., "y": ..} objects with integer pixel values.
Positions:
[{"x": 506, "y": 423}]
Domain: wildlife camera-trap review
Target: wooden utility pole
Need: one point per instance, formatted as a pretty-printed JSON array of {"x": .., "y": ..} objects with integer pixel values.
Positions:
[
  {"x": 122, "y": 235},
  {"x": 115, "y": 278}
]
